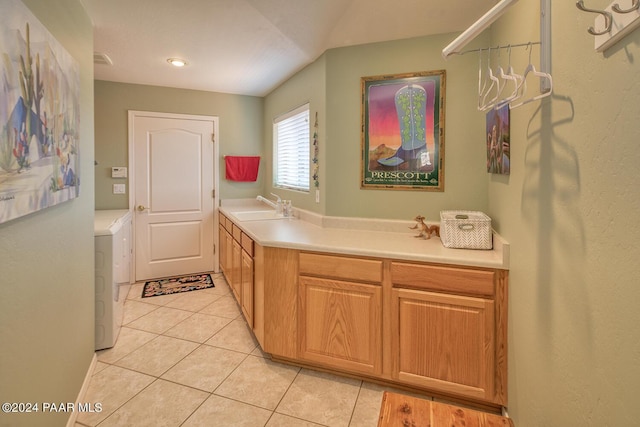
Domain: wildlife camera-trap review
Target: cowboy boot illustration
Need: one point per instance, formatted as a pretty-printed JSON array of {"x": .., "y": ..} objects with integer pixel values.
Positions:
[{"x": 411, "y": 101}]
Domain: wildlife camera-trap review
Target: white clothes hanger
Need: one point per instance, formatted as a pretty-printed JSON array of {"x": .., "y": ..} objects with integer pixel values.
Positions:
[
  {"x": 495, "y": 82},
  {"x": 532, "y": 69},
  {"x": 500, "y": 74},
  {"x": 517, "y": 80},
  {"x": 482, "y": 85}
]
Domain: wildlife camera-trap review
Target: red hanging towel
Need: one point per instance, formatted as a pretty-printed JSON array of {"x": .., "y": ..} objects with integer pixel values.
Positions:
[{"x": 242, "y": 168}]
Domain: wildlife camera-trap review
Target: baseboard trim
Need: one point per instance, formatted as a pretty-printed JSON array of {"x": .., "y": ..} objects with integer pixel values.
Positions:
[{"x": 83, "y": 390}]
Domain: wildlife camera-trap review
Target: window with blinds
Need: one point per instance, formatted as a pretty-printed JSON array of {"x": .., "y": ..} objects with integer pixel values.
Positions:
[{"x": 291, "y": 145}]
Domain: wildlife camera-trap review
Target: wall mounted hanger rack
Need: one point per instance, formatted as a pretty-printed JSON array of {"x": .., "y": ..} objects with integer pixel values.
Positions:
[
  {"x": 500, "y": 88},
  {"x": 477, "y": 27},
  {"x": 508, "y": 46},
  {"x": 612, "y": 24},
  {"x": 491, "y": 16}
]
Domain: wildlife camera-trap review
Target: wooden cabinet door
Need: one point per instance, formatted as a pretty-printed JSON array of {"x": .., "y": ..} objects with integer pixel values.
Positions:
[
  {"x": 445, "y": 342},
  {"x": 236, "y": 269},
  {"x": 228, "y": 249},
  {"x": 222, "y": 248},
  {"x": 340, "y": 324},
  {"x": 247, "y": 287}
]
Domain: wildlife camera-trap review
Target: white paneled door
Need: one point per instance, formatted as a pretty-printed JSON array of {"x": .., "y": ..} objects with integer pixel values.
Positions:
[{"x": 173, "y": 194}]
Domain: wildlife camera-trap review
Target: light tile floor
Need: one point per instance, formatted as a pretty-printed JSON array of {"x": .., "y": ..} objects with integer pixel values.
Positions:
[{"x": 190, "y": 360}]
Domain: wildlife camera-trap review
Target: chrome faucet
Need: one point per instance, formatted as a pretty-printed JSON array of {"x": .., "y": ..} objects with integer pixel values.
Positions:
[
  {"x": 279, "y": 205},
  {"x": 267, "y": 201},
  {"x": 277, "y": 197}
]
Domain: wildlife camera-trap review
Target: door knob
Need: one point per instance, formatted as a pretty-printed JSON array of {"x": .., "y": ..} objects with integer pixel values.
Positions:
[{"x": 142, "y": 208}]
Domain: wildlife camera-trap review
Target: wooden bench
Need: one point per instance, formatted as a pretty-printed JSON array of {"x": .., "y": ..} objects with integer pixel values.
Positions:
[{"x": 405, "y": 411}]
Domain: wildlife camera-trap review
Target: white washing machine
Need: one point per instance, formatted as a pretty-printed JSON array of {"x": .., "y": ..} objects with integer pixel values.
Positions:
[{"x": 112, "y": 278}]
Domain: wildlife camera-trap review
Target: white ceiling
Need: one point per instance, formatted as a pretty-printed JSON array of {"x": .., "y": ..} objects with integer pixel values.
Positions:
[{"x": 249, "y": 47}]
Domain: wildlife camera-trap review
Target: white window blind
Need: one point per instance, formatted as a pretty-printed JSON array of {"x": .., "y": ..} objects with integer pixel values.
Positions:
[{"x": 291, "y": 149}]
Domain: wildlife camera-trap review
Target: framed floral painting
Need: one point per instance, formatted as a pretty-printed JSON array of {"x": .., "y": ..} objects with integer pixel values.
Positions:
[{"x": 403, "y": 131}]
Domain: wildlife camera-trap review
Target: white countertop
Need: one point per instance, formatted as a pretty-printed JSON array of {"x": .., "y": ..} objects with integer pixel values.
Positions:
[{"x": 359, "y": 236}]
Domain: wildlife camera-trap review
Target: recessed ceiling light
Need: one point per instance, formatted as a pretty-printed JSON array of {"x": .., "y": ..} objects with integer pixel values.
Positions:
[{"x": 177, "y": 62}]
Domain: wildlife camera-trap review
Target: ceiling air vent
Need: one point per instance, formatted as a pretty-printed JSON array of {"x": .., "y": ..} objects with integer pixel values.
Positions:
[{"x": 101, "y": 59}]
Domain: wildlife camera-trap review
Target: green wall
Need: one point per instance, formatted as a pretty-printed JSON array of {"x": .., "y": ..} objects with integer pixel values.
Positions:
[
  {"x": 308, "y": 85},
  {"x": 465, "y": 176},
  {"x": 334, "y": 87},
  {"x": 569, "y": 210},
  {"x": 240, "y": 126},
  {"x": 46, "y": 273}
]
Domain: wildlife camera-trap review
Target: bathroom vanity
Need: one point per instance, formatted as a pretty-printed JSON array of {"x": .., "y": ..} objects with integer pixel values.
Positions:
[{"x": 367, "y": 299}]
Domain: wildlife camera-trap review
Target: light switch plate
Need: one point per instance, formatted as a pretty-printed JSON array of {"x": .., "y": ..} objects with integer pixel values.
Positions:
[{"x": 119, "y": 189}]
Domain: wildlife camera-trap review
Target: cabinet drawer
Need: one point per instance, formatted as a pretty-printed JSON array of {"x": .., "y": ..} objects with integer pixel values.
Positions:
[
  {"x": 447, "y": 279},
  {"x": 247, "y": 244},
  {"x": 361, "y": 270},
  {"x": 229, "y": 224},
  {"x": 237, "y": 233},
  {"x": 222, "y": 220}
]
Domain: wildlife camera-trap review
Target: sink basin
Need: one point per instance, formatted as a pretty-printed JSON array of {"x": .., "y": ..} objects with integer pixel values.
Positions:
[{"x": 256, "y": 215}]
